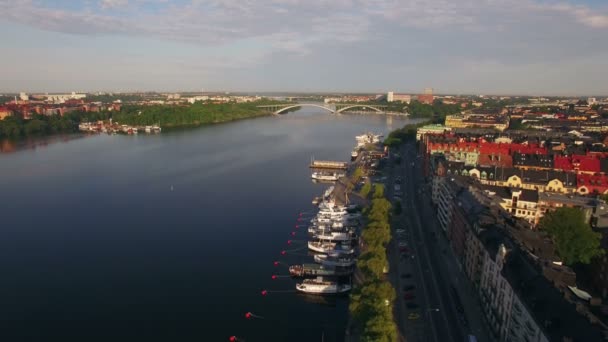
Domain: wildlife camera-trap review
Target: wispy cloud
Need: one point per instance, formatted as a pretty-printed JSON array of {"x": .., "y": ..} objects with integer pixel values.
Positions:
[{"x": 337, "y": 35}]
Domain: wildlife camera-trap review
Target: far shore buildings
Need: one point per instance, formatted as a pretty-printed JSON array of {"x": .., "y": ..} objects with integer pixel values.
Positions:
[
  {"x": 496, "y": 121},
  {"x": 393, "y": 97}
]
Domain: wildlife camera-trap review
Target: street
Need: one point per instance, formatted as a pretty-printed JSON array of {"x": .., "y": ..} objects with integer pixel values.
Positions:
[{"x": 425, "y": 265}]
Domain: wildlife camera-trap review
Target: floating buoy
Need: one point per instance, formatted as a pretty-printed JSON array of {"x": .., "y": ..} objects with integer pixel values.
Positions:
[
  {"x": 264, "y": 292},
  {"x": 248, "y": 315},
  {"x": 233, "y": 339},
  {"x": 274, "y": 277},
  {"x": 293, "y": 233},
  {"x": 276, "y": 263},
  {"x": 283, "y": 252},
  {"x": 289, "y": 242}
]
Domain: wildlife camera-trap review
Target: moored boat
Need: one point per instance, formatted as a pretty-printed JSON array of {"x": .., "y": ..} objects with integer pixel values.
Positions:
[
  {"x": 334, "y": 261},
  {"x": 318, "y": 270},
  {"x": 329, "y": 247}
]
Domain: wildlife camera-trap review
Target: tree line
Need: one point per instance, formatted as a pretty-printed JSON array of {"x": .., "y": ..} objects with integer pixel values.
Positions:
[
  {"x": 199, "y": 113},
  {"x": 371, "y": 302}
]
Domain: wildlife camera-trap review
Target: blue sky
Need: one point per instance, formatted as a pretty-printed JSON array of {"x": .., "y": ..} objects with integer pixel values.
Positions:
[{"x": 532, "y": 47}]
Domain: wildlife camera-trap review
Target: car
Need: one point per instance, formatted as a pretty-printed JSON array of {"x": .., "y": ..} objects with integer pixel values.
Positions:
[
  {"x": 406, "y": 275},
  {"x": 413, "y": 316},
  {"x": 412, "y": 305},
  {"x": 400, "y": 231},
  {"x": 402, "y": 244},
  {"x": 409, "y": 287},
  {"x": 408, "y": 296},
  {"x": 404, "y": 249}
]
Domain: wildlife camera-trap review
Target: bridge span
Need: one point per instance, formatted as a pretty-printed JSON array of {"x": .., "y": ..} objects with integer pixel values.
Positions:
[{"x": 332, "y": 108}]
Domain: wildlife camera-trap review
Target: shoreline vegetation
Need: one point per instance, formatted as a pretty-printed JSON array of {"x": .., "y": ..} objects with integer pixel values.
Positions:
[
  {"x": 372, "y": 300},
  {"x": 167, "y": 116}
]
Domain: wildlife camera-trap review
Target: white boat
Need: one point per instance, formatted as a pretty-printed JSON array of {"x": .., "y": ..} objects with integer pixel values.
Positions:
[
  {"x": 148, "y": 129},
  {"x": 368, "y": 138},
  {"x": 331, "y": 177},
  {"x": 329, "y": 247},
  {"x": 335, "y": 236},
  {"x": 354, "y": 154},
  {"x": 334, "y": 261},
  {"x": 320, "y": 286},
  {"x": 328, "y": 192}
]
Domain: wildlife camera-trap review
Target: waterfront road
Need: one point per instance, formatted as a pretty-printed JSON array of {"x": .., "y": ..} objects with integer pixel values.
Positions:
[
  {"x": 427, "y": 265},
  {"x": 464, "y": 311}
]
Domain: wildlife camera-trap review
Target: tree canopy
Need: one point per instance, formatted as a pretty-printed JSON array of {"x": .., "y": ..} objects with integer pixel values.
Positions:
[{"x": 575, "y": 241}]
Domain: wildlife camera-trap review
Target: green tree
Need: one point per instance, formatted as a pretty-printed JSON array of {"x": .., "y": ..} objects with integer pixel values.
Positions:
[
  {"x": 378, "y": 190},
  {"x": 365, "y": 190},
  {"x": 372, "y": 264},
  {"x": 574, "y": 239},
  {"x": 357, "y": 174}
]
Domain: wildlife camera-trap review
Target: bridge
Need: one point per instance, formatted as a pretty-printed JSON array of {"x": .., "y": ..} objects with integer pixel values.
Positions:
[{"x": 332, "y": 108}]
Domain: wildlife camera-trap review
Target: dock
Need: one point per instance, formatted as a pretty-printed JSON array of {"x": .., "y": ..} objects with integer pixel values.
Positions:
[{"x": 328, "y": 164}]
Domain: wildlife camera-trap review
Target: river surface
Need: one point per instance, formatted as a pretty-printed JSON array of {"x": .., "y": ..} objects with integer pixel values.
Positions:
[{"x": 168, "y": 237}]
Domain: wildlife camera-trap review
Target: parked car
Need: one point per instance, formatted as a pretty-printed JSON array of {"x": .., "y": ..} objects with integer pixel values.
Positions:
[
  {"x": 409, "y": 296},
  {"x": 413, "y": 316},
  {"x": 412, "y": 305}
]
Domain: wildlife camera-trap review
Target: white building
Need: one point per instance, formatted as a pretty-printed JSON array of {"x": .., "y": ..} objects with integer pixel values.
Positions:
[
  {"x": 197, "y": 98},
  {"x": 61, "y": 98},
  {"x": 389, "y": 96}
]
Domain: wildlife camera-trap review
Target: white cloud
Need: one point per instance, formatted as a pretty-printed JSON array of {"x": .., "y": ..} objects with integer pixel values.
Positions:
[{"x": 113, "y": 4}]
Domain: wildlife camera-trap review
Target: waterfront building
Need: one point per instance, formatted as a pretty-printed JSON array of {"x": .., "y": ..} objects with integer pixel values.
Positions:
[{"x": 431, "y": 129}]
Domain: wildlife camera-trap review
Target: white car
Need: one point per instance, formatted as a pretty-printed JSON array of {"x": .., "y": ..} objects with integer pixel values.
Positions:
[
  {"x": 402, "y": 244},
  {"x": 400, "y": 231}
]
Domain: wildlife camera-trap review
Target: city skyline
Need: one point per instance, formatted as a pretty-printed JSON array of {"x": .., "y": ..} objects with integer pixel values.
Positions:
[{"x": 514, "y": 47}]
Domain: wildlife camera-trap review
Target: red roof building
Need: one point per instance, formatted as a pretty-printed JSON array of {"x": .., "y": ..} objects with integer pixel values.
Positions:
[
  {"x": 577, "y": 163},
  {"x": 590, "y": 184}
]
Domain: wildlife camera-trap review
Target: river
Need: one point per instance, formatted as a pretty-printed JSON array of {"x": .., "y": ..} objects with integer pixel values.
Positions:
[{"x": 168, "y": 237}]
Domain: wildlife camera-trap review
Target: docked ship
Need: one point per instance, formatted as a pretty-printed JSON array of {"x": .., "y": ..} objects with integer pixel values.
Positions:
[
  {"x": 305, "y": 270},
  {"x": 326, "y": 260},
  {"x": 321, "y": 286},
  {"x": 328, "y": 177},
  {"x": 354, "y": 154},
  {"x": 329, "y": 247},
  {"x": 368, "y": 138},
  {"x": 335, "y": 236}
]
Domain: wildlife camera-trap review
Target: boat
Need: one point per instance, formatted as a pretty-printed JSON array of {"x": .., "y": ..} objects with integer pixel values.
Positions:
[
  {"x": 317, "y": 200},
  {"x": 318, "y": 270},
  {"x": 354, "y": 154},
  {"x": 321, "y": 286},
  {"x": 368, "y": 138},
  {"x": 329, "y": 247},
  {"x": 328, "y": 192},
  {"x": 331, "y": 177},
  {"x": 334, "y": 261},
  {"x": 335, "y": 236}
]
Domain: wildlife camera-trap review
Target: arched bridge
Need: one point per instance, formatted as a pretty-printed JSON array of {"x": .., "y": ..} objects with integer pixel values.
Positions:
[{"x": 332, "y": 108}]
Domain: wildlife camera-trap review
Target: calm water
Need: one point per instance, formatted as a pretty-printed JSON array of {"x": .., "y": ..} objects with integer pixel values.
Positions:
[{"x": 167, "y": 237}]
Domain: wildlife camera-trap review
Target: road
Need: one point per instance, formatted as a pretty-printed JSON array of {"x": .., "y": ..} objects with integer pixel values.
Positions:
[{"x": 433, "y": 268}]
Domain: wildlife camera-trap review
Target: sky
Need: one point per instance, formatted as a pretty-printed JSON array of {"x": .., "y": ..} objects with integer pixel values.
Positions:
[{"x": 527, "y": 47}]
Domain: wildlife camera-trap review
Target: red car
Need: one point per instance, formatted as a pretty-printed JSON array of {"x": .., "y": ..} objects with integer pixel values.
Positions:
[
  {"x": 408, "y": 295},
  {"x": 404, "y": 250}
]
